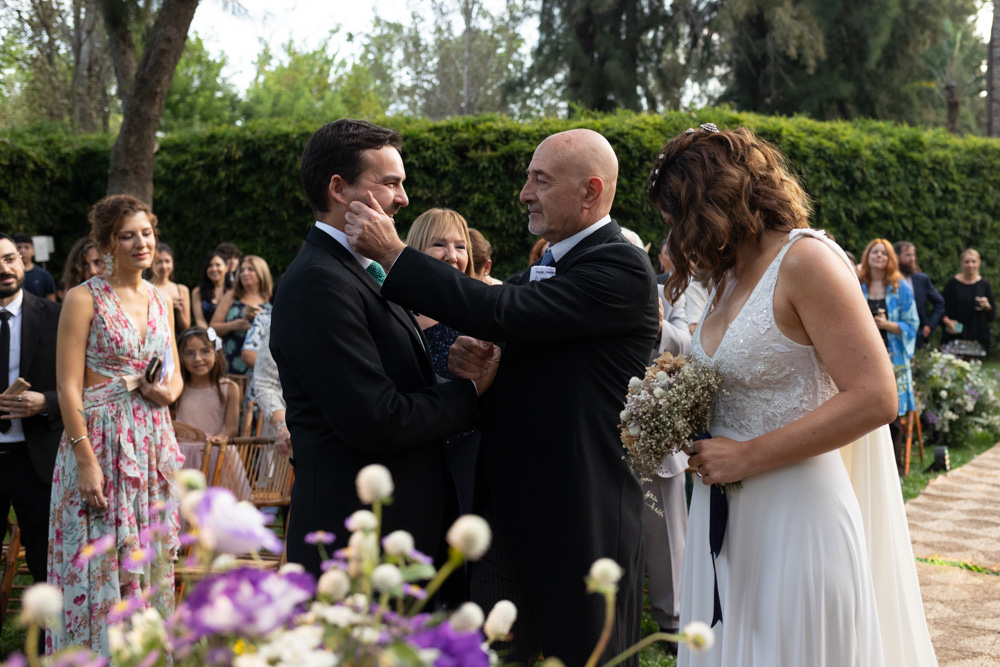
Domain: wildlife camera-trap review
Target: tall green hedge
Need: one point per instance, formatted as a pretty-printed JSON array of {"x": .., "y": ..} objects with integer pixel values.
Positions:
[{"x": 868, "y": 179}]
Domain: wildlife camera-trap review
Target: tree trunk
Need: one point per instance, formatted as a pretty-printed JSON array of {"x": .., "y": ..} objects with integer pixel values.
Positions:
[
  {"x": 468, "y": 9},
  {"x": 993, "y": 76},
  {"x": 133, "y": 155},
  {"x": 118, "y": 26},
  {"x": 87, "y": 94},
  {"x": 951, "y": 96}
]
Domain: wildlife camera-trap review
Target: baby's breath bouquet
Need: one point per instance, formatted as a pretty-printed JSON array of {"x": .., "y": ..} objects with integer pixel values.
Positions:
[{"x": 666, "y": 410}]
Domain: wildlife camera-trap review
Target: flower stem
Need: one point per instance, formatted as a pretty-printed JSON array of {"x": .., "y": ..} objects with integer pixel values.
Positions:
[
  {"x": 609, "y": 623},
  {"x": 454, "y": 560},
  {"x": 638, "y": 646},
  {"x": 31, "y": 645}
]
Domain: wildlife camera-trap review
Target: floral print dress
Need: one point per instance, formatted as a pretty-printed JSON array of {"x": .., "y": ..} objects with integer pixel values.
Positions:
[{"x": 133, "y": 440}]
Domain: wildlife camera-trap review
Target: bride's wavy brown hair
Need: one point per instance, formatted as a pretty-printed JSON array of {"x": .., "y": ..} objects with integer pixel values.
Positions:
[{"x": 716, "y": 191}]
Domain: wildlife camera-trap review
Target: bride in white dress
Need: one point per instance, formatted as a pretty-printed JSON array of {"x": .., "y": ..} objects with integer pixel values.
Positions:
[{"x": 816, "y": 567}]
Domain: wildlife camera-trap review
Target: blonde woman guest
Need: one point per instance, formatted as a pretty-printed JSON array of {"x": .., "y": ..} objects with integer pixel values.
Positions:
[
  {"x": 238, "y": 308},
  {"x": 163, "y": 280},
  {"x": 443, "y": 233},
  {"x": 969, "y": 309},
  {"x": 118, "y": 454},
  {"x": 482, "y": 257}
]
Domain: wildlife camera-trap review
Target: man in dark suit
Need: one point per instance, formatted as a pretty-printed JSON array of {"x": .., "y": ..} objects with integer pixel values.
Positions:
[
  {"x": 575, "y": 327},
  {"x": 30, "y": 422},
  {"x": 923, "y": 290},
  {"x": 354, "y": 369}
]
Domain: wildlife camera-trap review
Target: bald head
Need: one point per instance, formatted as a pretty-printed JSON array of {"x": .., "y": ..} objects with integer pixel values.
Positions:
[{"x": 571, "y": 183}]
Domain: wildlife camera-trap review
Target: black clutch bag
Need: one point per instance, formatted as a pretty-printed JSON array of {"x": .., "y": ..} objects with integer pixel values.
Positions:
[{"x": 152, "y": 373}]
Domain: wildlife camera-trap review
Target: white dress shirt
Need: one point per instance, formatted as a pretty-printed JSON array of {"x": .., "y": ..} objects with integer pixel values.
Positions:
[
  {"x": 560, "y": 249},
  {"x": 341, "y": 238},
  {"x": 16, "y": 431}
]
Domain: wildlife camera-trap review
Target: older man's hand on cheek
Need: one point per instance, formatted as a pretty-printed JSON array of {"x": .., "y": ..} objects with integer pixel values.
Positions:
[{"x": 372, "y": 233}]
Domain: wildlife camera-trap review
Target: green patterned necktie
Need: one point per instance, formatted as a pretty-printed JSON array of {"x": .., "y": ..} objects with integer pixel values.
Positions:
[{"x": 376, "y": 271}]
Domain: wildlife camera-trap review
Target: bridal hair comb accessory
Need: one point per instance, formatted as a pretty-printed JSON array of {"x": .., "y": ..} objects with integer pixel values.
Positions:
[
  {"x": 109, "y": 263},
  {"x": 708, "y": 127},
  {"x": 214, "y": 339}
]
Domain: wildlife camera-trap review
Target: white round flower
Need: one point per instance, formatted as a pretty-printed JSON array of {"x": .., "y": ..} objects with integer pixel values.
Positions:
[
  {"x": 374, "y": 483},
  {"x": 659, "y": 393},
  {"x": 41, "y": 604},
  {"x": 224, "y": 562},
  {"x": 470, "y": 536},
  {"x": 189, "y": 479},
  {"x": 605, "y": 572},
  {"x": 662, "y": 376},
  {"x": 634, "y": 429},
  {"x": 189, "y": 502},
  {"x": 699, "y": 636},
  {"x": 634, "y": 383},
  {"x": 334, "y": 583},
  {"x": 500, "y": 620},
  {"x": 944, "y": 394},
  {"x": 361, "y": 520},
  {"x": 625, "y": 415},
  {"x": 386, "y": 577},
  {"x": 467, "y": 618},
  {"x": 289, "y": 568},
  {"x": 398, "y": 543}
]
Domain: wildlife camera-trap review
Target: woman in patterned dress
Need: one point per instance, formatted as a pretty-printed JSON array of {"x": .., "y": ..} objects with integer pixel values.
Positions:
[
  {"x": 237, "y": 309},
  {"x": 118, "y": 456}
]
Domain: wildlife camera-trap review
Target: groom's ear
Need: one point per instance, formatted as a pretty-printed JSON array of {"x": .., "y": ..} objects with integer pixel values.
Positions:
[{"x": 335, "y": 190}]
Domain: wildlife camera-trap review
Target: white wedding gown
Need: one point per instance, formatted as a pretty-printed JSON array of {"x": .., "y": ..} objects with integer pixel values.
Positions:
[{"x": 804, "y": 543}]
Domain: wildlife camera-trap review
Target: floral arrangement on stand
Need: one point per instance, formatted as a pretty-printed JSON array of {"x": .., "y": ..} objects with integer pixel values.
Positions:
[
  {"x": 957, "y": 399},
  {"x": 366, "y": 609}
]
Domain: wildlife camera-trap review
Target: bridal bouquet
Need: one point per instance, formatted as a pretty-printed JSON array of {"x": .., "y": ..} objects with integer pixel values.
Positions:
[{"x": 667, "y": 409}]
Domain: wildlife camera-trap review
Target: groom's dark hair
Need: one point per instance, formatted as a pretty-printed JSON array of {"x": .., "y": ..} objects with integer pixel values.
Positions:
[{"x": 336, "y": 148}]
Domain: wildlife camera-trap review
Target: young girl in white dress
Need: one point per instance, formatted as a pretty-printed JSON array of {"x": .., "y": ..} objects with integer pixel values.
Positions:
[{"x": 815, "y": 567}]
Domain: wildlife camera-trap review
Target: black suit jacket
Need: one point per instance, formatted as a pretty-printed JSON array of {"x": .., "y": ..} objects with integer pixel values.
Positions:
[
  {"x": 360, "y": 389},
  {"x": 923, "y": 289},
  {"x": 39, "y": 326},
  {"x": 551, "y": 461}
]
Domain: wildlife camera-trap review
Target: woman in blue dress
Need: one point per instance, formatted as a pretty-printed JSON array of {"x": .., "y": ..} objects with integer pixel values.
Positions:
[{"x": 891, "y": 302}]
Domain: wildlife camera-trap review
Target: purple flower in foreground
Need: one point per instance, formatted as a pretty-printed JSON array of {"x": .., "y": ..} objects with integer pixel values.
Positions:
[
  {"x": 15, "y": 660},
  {"x": 320, "y": 537},
  {"x": 90, "y": 551},
  {"x": 931, "y": 418},
  {"x": 246, "y": 600},
  {"x": 456, "y": 649},
  {"x": 228, "y": 526}
]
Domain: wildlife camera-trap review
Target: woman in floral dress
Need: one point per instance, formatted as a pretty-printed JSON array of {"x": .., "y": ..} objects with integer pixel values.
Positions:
[{"x": 117, "y": 459}]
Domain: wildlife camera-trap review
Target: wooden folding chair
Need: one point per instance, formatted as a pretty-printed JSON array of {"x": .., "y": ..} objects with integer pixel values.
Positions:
[
  {"x": 253, "y": 470},
  {"x": 14, "y": 563},
  {"x": 912, "y": 420},
  {"x": 251, "y": 421}
]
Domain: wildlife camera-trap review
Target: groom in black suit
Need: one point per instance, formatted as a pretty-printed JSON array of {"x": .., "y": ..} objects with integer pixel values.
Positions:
[
  {"x": 354, "y": 367},
  {"x": 575, "y": 327}
]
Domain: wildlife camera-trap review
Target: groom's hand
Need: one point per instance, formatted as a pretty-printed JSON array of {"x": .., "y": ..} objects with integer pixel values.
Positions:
[
  {"x": 471, "y": 358},
  {"x": 372, "y": 233}
]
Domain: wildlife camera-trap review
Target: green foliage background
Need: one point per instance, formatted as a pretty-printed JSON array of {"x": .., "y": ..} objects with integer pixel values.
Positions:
[{"x": 868, "y": 179}]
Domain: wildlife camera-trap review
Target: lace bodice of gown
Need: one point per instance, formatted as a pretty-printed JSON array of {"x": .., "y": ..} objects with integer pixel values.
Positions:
[{"x": 768, "y": 380}]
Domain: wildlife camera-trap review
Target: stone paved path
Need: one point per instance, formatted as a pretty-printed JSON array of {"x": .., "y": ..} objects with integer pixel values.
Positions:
[{"x": 957, "y": 518}]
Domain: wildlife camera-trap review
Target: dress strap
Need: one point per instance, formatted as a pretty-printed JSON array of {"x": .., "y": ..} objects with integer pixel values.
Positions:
[{"x": 821, "y": 235}]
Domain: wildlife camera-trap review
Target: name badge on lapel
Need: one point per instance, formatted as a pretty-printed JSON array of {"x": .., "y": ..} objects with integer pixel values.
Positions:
[{"x": 542, "y": 273}]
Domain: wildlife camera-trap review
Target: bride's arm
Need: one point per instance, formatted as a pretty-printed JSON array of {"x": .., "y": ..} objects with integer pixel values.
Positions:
[{"x": 818, "y": 302}]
